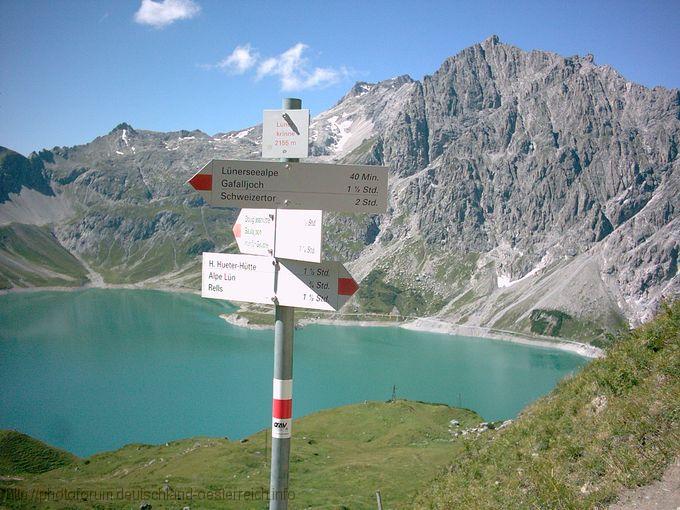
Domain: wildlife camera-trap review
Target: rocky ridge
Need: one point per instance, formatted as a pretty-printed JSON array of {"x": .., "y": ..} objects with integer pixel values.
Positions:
[{"x": 528, "y": 192}]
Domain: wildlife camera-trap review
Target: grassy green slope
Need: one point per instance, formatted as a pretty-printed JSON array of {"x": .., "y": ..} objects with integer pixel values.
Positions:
[
  {"x": 614, "y": 425},
  {"x": 20, "y": 453},
  {"x": 339, "y": 458},
  {"x": 32, "y": 256}
]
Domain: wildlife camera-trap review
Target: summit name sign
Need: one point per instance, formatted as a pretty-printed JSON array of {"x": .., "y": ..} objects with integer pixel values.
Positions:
[{"x": 293, "y": 185}]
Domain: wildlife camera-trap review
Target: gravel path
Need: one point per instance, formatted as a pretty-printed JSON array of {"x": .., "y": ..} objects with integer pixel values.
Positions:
[{"x": 661, "y": 495}]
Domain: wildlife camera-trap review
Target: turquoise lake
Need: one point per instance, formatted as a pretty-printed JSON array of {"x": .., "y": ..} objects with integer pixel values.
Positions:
[{"x": 93, "y": 370}]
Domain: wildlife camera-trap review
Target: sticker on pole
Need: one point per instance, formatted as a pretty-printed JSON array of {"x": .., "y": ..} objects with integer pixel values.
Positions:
[
  {"x": 285, "y": 134},
  {"x": 282, "y": 427}
]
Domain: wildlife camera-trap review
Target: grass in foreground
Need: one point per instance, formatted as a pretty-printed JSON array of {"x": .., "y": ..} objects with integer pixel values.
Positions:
[
  {"x": 339, "y": 458},
  {"x": 20, "y": 453},
  {"x": 614, "y": 425}
]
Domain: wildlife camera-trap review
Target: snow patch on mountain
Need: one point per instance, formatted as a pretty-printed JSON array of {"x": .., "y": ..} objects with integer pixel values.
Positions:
[
  {"x": 505, "y": 280},
  {"x": 347, "y": 134},
  {"x": 241, "y": 134}
]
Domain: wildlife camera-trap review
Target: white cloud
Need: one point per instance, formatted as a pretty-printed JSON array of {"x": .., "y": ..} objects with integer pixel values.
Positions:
[
  {"x": 266, "y": 67},
  {"x": 240, "y": 60},
  {"x": 323, "y": 76},
  {"x": 164, "y": 12},
  {"x": 291, "y": 68},
  {"x": 294, "y": 73}
]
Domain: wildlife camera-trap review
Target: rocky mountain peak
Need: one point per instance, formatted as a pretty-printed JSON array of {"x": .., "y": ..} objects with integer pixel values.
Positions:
[
  {"x": 123, "y": 126},
  {"x": 521, "y": 182},
  {"x": 197, "y": 133},
  {"x": 492, "y": 40},
  {"x": 397, "y": 81},
  {"x": 360, "y": 88}
]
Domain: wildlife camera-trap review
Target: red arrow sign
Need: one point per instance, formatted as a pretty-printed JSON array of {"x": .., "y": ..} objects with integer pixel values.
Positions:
[
  {"x": 201, "y": 182},
  {"x": 347, "y": 286}
]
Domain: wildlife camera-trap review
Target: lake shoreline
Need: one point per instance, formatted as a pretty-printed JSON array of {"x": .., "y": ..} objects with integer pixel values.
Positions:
[
  {"x": 423, "y": 324},
  {"x": 431, "y": 325}
]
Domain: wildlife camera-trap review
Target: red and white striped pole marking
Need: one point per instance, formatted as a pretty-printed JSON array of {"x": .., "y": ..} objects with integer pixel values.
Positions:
[{"x": 282, "y": 408}]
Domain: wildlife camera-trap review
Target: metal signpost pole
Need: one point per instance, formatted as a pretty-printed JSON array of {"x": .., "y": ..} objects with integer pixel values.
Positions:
[
  {"x": 284, "y": 326},
  {"x": 287, "y": 234}
]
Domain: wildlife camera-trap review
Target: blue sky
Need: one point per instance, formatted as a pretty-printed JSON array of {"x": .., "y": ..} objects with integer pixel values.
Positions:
[{"x": 71, "y": 71}]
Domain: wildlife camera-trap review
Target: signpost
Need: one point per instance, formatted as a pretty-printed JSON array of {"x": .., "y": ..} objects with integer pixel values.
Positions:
[
  {"x": 284, "y": 328},
  {"x": 254, "y": 231},
  {"x": 285, "y": 134},
  {"x": 279, "y": 235},
  {"x": 255, "y": 279},
  {"x": 293, "y": 185},
  {"x": 324, "y": 286},
  {"x": 238, "y": 277},
  {"x": 297, "y": 233}
]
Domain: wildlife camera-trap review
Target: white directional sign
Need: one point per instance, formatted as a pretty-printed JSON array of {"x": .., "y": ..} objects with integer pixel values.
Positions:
[
  {"x": 324, "y": 286},
  {"x": 285, "y": 134},
  {"x": 297, "y": 233},
  {"x": 238, "y": 277},
  {"x": 251, "y": 278},
  {"x": 278, "y": 185},
  {"x": 254, "y": 231}
]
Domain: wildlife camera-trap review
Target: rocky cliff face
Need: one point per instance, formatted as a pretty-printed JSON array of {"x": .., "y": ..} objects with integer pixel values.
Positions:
[
  {"x": 539, "y": 167},
  {"x": 524, "y": 186},
  {"x": 19, "y": 172}
]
